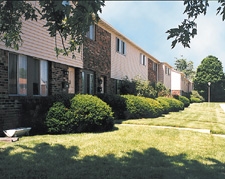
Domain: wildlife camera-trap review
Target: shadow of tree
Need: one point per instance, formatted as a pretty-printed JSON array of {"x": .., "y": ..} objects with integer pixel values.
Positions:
[{"x": 56, "y": 161}]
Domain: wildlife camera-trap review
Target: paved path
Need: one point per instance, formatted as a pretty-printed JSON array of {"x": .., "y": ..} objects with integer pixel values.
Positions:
[{"x": 223, "y": 106}]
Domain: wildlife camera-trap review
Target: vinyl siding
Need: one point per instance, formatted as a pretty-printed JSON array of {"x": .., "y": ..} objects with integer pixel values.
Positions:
[{"x": 38, "y": 43}]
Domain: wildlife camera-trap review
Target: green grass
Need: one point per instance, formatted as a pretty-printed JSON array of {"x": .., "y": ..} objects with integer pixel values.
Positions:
[
  {"x": 128, "y": 152},
  {"x": 203, "y": 116}
]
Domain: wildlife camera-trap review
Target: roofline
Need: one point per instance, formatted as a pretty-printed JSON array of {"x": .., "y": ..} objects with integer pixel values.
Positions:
[{"x": 104, "y": 24}]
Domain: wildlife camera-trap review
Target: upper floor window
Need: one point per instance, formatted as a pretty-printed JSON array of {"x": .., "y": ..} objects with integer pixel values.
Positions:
[
  {"x": 27, "y": 76},
  {"x": 167, "y": 70},
  {"x": 120, "y": 46},
  {"x": 91, "y": 32},
  {"x": 142, "y": 59},
  {"x": 154, "y": 66}
]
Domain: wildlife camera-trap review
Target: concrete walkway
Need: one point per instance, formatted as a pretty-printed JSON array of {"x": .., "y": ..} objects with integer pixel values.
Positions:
[
  {"x": 223, "y": 106},
  {"x": 207, "y": 131}
]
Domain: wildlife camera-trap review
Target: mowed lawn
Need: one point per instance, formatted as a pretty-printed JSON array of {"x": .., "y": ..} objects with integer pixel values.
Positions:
[
  {"x": 201, "y": 116},
  {"x": 129, "y": 151}
]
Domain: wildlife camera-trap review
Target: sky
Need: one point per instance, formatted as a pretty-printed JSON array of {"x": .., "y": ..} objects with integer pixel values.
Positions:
[{"x": 146, "y": 22}]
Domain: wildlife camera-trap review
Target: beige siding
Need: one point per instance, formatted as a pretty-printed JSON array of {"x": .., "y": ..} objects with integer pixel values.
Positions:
[
  {"x": 128, "y": 64},
  {"x": 37, "y": 43}
]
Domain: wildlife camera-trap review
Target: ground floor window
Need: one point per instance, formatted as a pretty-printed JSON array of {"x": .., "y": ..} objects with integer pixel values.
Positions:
[
  {"x": 27, "y": 75},
  {"x": 87, "y": 82}
]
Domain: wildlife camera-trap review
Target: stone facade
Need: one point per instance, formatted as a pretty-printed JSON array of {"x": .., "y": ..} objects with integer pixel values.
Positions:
[{"x": 97, "y": 57}]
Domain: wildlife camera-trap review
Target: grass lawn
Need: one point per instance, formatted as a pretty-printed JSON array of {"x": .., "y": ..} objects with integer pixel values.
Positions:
[
  {"x": 203, "y": 116},
  {"x": 128, "y": 152}
]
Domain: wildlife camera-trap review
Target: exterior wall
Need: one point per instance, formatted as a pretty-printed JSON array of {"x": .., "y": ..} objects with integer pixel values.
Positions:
[
  {"x": 37, "y": 43},
  {"x": 97, "y": 57},
  {"x": 163, "y": 77},
  {"x": 128, "y": 64},
  {"x": 175, "y": 83},
  {"x": 152, "y": 74},
  {"x": 11, "y": 105},
  {"x": 180, "y": 85}
]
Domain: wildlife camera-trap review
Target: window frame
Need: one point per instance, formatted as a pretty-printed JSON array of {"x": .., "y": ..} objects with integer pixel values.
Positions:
[
  {"x": 142, "y": 59},
  {"x": 91, "y": 33},
  {"x": 30, "y": 78},
  {"x": 120, "y": 46}
]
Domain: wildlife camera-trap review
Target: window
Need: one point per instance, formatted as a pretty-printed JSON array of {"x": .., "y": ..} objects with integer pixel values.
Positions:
[
  {"x": 87, "y": 82},
  {"x": 17, "y": 74},
  {"x": 91, "y": 32},
  {"x": 27, "y": 76},
  {"x": 142, "y": 59},
  {"x": 154, "y": 66},
  {"x": 120, "y": 46},
  {"x": 165, "y": 69}
]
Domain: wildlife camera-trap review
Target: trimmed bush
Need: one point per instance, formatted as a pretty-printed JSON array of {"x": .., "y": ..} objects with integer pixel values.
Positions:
[
  {"x": 195, "y": 100},
  {"x": 116, "y": 102},
  {"x": 165, "y": 105},
  {"x": 91, "y": 114},
  {"x": 156, "y": 107},
  {"x": 183, "y": 99},
  {"x": 174, "y": 104},
  {"x": 141, "y": 107},
  {"x": 195, "y": 94},
  {"x": 58, "y": 121}
]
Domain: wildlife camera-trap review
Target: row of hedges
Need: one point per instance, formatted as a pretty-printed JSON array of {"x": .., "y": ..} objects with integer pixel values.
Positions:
[
  {"x": 135, "y": 107},
  {"x": 87, "y": 113}
]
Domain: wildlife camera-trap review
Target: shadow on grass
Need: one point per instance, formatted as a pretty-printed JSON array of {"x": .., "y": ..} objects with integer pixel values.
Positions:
[{"x": 55, "y": 161}]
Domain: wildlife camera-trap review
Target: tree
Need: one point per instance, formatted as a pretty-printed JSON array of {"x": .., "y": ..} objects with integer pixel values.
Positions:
[
  {"x": 68, "y": 19},
  {"x": 188, "y": 28},
  {"x": 210, "y": 70},
  {"x": 186, "y": 67}
]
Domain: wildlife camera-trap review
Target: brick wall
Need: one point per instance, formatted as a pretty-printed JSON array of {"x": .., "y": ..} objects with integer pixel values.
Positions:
[
  {"x": 11, "y": 106},
  {"x": 97, "y": 56},
  {"x": 152, "y": 75}
]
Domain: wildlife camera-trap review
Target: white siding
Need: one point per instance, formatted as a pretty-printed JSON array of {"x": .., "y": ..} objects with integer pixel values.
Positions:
[{"x": 175, "y": 80}]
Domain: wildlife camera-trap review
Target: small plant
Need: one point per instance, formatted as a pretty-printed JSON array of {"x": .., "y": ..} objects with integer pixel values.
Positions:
[
  {"x": 195, "y": 94},
  {"x": 183, "y": 99},
  {"x": 174, "y": 104},
  {"x": 195, "y": 100}
]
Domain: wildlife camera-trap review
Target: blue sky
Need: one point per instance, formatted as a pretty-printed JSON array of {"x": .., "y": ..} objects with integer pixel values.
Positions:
[{"x": 145, "y": 23}]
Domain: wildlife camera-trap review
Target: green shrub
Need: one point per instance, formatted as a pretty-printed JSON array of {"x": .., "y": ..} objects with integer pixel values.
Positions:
[
  {"x": 155, "y": 106},
  {"x": 174, "y": 104},
  {"x": 195, "y": 94},
  {"x": 91, "y": 114},
  {"x": 141, "y": 107},
  {"x": 116, "y": 102},
  {"x": 195, "y": 100},
  {"x": 58, "y": 120},
  {"x": 183, "y": 99},
  {"x": 165, "y": 105}
]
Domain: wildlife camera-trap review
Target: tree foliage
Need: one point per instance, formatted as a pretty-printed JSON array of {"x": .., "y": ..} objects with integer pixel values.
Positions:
[
  {"x": 186, "y": 67},
  {"x": 210, "y": 70},
  {"x": 188, "y": 28},
  {"x": 68, "y": 19}
]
